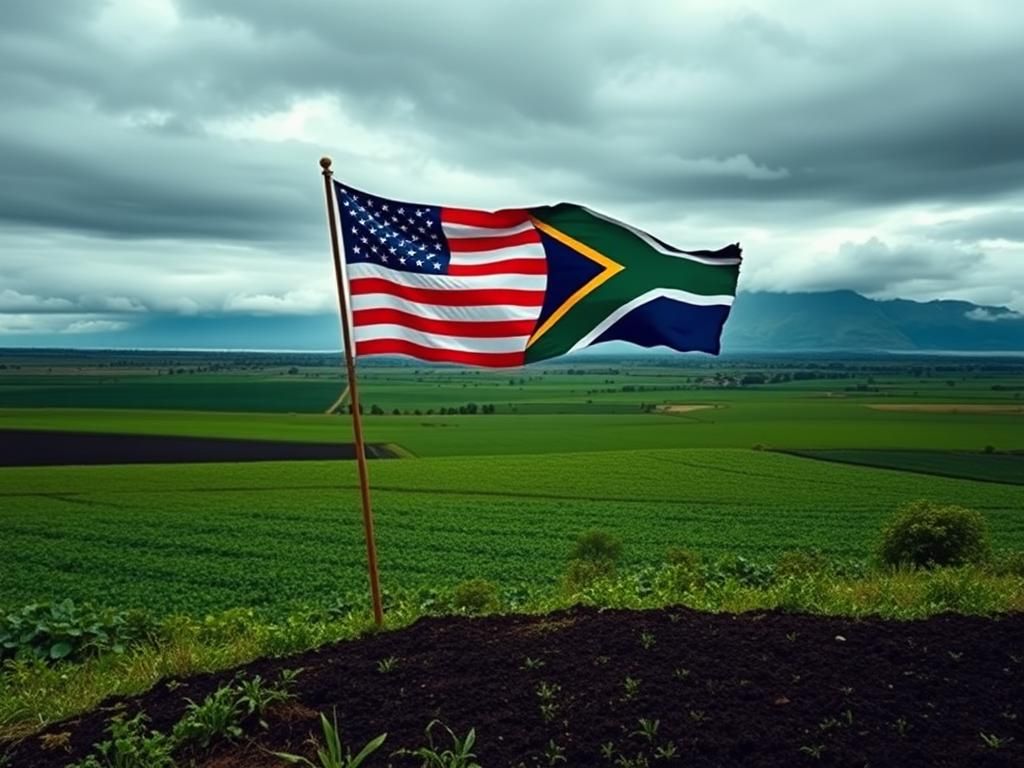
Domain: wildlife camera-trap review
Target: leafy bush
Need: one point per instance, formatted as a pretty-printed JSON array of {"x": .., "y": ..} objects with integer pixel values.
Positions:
[
  {"x": 475, "y": 596},
  {"x": 218, "y": 716},
  {"x": 55, "y": 631},
  {"x": 742, "y": 570},
  {"x": 599, "y": 547},
  {"x": 685, "y": 558},
  {"x": 130, "y": 746},
  {"x": 1010, "y": 563},
  {"x": 801, "y": 562},
  {"x": 924, "y": 535}
]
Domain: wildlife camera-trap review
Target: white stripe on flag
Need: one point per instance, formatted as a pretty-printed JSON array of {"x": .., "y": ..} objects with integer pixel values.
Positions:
[
  {"x": 659, "y": 247},
  {"x": 522, "y": 251},
  {"x": 455, "y": 231},
  {"x": 441, "y": 282},
  {"x": 675, "y": 294},
  {"x": 439, "y": 341},
  {"x": 484, "y": 313}
]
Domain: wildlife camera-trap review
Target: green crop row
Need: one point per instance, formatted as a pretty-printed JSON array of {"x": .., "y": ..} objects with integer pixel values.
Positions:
[{"x": 197, "y": 538}]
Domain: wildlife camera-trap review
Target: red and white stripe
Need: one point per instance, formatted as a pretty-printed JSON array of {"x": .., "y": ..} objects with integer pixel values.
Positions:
[{"x": 482, "y": 312}]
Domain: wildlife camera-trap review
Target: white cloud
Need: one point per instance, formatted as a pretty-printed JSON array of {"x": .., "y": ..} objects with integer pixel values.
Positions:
[{"x": 988, "y": 316}]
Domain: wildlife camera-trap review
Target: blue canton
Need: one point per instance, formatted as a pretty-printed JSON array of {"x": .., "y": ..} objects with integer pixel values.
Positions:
[{"x": 395, "y": 235}]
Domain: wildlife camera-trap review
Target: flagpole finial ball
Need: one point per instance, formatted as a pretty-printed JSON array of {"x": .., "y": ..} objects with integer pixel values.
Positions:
[{"x": 325, "y": 163}]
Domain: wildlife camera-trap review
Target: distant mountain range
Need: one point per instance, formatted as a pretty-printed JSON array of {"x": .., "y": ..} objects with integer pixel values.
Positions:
[
  {"x": 760, "y": 322},
  {"x": 847, "y": 321}
]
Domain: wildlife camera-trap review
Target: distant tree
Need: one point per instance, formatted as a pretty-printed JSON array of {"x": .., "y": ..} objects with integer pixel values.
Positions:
[{"x": 376, "y": 410}]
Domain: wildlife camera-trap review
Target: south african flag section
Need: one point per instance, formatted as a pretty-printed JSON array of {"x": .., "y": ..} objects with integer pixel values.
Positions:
[
  {"x": 510, "y": 287},
  {"x": 608, "y": 281}
]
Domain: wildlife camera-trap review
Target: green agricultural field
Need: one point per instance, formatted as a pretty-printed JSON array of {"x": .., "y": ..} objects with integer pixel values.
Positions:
[
  {"x": 271, "y": 535},
  {"x": 736, "y": 422},
  {"x": 991, "y": 466}
]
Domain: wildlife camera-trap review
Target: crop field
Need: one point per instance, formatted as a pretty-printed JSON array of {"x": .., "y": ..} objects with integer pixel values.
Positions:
[
  {"x": 996, "y": 468},
  {"x": 198, "y": 538},
  {"x": 495, "y": 495}
]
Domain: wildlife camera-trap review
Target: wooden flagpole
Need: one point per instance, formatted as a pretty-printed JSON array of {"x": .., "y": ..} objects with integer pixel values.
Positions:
[{"x": 353, "y": 390}]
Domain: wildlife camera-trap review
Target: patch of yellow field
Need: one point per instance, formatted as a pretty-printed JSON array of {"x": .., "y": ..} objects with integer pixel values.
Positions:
[
  {"x": 683, "y": 408},
  {"x": 949, "y": 408}
]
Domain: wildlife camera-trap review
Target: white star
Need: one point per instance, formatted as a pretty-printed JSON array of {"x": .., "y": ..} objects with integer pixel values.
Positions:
[
  {"x": 422, "y": 230},
  {"x": 373, "y": 248},
  {"x": 384, "y": 258},
  {"x": 346, "y": 203},
  {"x": 356, "y": 249},
  {"x": 415, "y": 238},
  {"x": 364, "y": 240},
  {"x": 373, "y": 230},
  {"x": 391, "y": 250},
  {"x": 430, "y": 256},
  {"x": 401, "y": 259},
  {"x": 384, "y": 207},
  {"x": 355, "y": 231},
  {"x": 433, "y": 237},
  {"x": 419, "y": 213},
  {"x": 404, "y": 228},
  {"x": 401, "y": 211},
  {"x": 419, "y": 262},
  {"x": 394, "y": 219},
  {"x": 362, "y": 222},
  {"x": 437, "y": 265},
  {"x": 437, "y": 246},
  {"x": 369, "y": 202},
  {"x": 423, "y": 247},
  {"x": 412, "y": 252}
]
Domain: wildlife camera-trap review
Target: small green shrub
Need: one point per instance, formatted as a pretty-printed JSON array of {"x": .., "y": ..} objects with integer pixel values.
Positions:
[
  {"x": 475, "y": 596},
  {"x": 130, "y": 746},
  {"x": 801, "y": 562},
  {"x": 65, "y": 631},
  {"x": 580, "y": 574},
  {"x": 924, "y": 534},
  {"x": 597, "y": 546},
  {"x": 1009, "y": 563},
  {"x": 685, "y": 558},
  {"x": 218, "y": 716},
  {"x": 744, "y": 571}
]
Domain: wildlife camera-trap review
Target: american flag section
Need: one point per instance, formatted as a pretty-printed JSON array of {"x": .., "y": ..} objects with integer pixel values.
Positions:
[{"x": 441, "y": 284}]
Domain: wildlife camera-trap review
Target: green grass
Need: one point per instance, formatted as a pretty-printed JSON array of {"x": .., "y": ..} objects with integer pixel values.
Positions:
[
  {"x": 991, "y": 467},
  {"x": 205, "y": 537}
]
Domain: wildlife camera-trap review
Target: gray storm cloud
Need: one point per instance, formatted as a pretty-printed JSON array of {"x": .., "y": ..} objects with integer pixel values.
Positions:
[{"x": 160, "y": 156}]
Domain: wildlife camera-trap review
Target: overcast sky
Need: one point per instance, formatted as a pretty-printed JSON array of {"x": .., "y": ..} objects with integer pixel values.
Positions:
[{"x": 159, "y": 157}]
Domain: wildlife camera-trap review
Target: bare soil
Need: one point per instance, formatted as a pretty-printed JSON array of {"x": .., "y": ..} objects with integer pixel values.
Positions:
[
  {"x": 34, "y": 448},
  {"x": 755, "y": 689}
]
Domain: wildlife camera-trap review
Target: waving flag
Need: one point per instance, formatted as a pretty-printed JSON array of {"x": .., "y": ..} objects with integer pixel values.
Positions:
[{"x": 510, "y": 287}]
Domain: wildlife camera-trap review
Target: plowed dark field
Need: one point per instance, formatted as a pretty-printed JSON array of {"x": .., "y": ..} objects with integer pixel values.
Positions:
[
  {"x": 756, "y": 689},
  {"x": 31, "y": 448}
]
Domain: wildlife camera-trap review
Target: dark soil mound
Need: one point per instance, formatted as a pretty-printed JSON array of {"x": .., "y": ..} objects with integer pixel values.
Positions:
[
  {"x": 34, "y": 448},
  {"x": 757, "y": 689}
]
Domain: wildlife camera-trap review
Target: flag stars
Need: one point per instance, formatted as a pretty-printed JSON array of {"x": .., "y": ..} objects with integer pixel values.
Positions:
[
  {"x": 437, "y": 265},
  {"x": 419, "y": 262}
]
